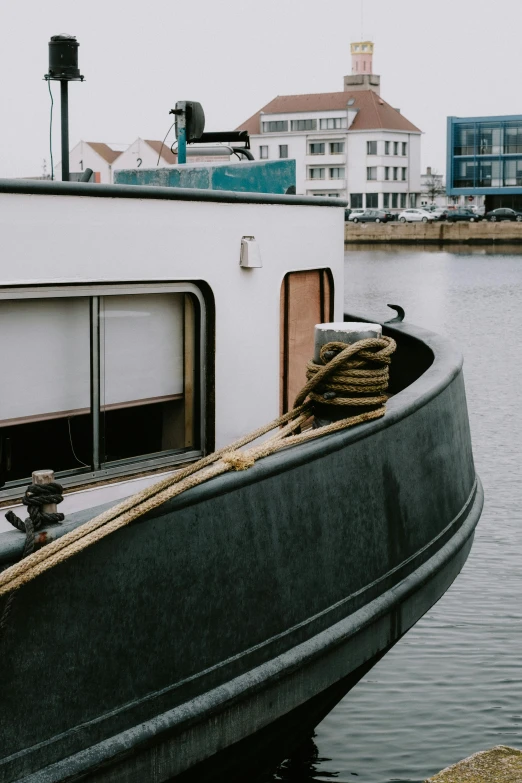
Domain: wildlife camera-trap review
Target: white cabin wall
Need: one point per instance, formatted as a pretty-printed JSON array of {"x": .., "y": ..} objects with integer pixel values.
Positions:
[{"x": 145, "y": 240}]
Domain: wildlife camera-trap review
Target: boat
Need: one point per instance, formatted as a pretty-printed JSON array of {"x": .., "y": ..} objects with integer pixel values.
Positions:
[{"x": 141, "y": 328}]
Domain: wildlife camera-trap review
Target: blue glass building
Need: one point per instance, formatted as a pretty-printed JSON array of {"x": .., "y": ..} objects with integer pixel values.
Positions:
[{"x": 484, "y": 158}]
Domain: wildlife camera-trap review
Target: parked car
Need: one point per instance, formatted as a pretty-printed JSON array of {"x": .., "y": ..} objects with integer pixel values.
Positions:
[
  {"x": 504, "y": 214},
  {"x": 389, "y": 214},
  {"x": 463, "y": 213},
  {"x": 371, "y": 216},
  {"x": 440, "y": 213},
  {"x": 355, "y": 213},
  {"x": 415, "y": 215},
  {"x": 347, "y": 213}
]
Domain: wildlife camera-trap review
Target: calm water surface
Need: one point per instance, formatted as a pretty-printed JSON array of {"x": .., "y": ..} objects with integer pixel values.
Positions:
[{"x": 452, "y": 686}]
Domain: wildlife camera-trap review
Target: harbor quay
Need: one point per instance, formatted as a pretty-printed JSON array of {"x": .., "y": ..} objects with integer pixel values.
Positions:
[
  {"x": 500, "y": 764},
  {"x": 438, "y": 232}
]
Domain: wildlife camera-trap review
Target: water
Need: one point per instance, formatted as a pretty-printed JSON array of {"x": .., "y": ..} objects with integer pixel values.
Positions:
[{"x": 452, "y": 686}]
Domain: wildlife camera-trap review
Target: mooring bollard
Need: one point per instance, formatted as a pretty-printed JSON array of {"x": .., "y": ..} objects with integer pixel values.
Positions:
[
  {"x": 342, "y": 332},
  {"x": 45, "y": 477}
]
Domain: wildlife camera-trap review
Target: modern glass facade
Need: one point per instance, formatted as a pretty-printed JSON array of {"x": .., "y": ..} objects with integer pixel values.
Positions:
[{"x": 484, "y": 155}]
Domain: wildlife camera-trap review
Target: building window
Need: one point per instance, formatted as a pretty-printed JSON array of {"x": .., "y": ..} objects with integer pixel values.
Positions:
[
  {"x": 275, "y": 126},
  {"x": 386, "y": 172},
  {"x": 371, "y": 172},
  {"x": 512, "y": 138},
  {"x": 413, "y": 200},
  {"x": 137, "y": 352},
  {"x": 331, "y": 123},
  {"x": 395, "y": 147},
  {"x": 464, "y": 174},
  {"x": 489, "y": 141},
  {"x": 372, "y": 200},
  {"x": 263, "y": 151},
  {"x": 386, "y": 200},
  {"x": 395, "y": 173},
  {"x": 336, "y": 147},
  {"x": 403, "y": 200},
  {"x": 513, "y": 172},
  {"x": 283, "y": 150},
  {"x": 356, "y": 200},
  {"x": 337, "y": 172},
  {"x": 404, "y": 170},
  {"x": 304, "y": 125},
  {"x": 386, "y": 147},
  {"x": 371, "y": 148},
  {"x": 316, "y": 149},
  {"x": 395, "y": 200},
  {"x": 489, "y": 176},
  {"x": 404, "y": 147},
  {"x": 314, "y": 172},
  {"x": 464, "y": 140}
]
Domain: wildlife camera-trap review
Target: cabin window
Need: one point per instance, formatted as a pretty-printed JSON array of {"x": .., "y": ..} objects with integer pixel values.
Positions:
[
  {"x": 104, "y": 384},
  {"x": 306, "y": 300}
]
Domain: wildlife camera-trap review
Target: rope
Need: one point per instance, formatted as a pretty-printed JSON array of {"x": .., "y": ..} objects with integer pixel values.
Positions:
[
  {"x": 370, "y": 355},
  {"x": 36, "y": 496}
]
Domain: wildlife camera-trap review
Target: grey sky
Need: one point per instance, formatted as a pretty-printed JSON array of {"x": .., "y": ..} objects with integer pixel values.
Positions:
[{"x": 435, "y": 57}]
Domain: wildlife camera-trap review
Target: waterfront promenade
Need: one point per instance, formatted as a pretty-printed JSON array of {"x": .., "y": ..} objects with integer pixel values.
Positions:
[{"x": 438, "y": 232}]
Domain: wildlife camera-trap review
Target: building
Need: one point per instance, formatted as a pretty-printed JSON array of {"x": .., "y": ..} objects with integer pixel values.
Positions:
[
  {"x": 146, "y": 154},
  {"x": 93, "y": 155},
  {"x": 105, "y": 159},
  {"x": 484, "y": 158},
  {"x": 350, "y": 144}
]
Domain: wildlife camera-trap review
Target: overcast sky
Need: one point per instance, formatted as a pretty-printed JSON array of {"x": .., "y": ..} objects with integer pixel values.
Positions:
[{"x": 435, "y": 57}]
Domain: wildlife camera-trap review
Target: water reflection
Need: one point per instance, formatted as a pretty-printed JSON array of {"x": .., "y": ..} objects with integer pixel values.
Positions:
[
  {"x": 433, "y": 247},
  {"x": 303, "y": 767}
]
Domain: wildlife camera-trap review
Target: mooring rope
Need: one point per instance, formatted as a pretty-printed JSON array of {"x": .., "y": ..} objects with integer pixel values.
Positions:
[{"x": 363, "y": 365}]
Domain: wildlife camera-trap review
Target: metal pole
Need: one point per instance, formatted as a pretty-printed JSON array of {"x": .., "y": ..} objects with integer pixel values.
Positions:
[
  {"x": 95, "y": 382},
  {"x": 182, "y": 144},
  {"x": 65, "y": 129}
]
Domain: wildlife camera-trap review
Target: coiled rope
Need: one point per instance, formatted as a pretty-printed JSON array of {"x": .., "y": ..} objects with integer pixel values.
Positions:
[{"x": 362, "y": 366}]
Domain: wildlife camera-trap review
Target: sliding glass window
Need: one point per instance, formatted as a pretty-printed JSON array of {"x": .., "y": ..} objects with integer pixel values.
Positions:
[{"x": 107, "y": 382}]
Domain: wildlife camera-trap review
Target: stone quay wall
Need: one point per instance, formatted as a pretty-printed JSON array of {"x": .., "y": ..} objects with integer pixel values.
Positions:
[{"x": 480, "y": 233}]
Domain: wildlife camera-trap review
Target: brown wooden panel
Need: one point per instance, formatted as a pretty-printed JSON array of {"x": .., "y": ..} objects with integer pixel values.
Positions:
[{"x": 306, "y": 300}]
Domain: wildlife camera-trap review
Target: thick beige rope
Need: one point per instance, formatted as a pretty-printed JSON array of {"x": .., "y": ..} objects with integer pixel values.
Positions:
[{"x": 376, "y": 351}]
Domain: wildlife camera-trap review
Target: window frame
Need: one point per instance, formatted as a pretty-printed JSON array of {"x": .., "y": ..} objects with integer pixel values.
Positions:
[
  {"x": 282, "y": 126},
  {"x": 316, "y": 168},
  {"x": 370, "y": 146},
  {"x": 261, "y": 148},
  {"x": 316, "y": 144},
  {"x": 312, "y": 125},
  {"x": 339, "y": 169},
  {"x": 78, "y": 476},
  {"x": 281, "y": 148},
  {"x": 368, "y": 170}
]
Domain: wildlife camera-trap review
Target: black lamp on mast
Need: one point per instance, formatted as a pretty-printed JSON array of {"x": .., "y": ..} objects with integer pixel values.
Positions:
[{"x": 63, "y": 68}]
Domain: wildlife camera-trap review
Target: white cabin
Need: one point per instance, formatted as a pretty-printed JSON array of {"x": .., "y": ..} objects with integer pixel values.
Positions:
[{"x": 132, "y": 340}]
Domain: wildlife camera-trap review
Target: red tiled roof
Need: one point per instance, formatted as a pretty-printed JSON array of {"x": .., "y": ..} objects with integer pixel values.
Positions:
[
  {"x": 373, "y": 112},
  {"x": 106, "y": 152},
  {"x": 166, "y": 153}
]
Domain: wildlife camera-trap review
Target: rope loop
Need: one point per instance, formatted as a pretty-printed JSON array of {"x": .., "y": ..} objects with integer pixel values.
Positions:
[
  {"x": 350, "y": 375},
  {"x": 36, "y": 496}
]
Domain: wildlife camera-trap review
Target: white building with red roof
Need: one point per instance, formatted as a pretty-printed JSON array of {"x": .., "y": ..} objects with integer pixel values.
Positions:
[
  {"x": 95, "y": 155},
  {"x": 350, "y": 144}
]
